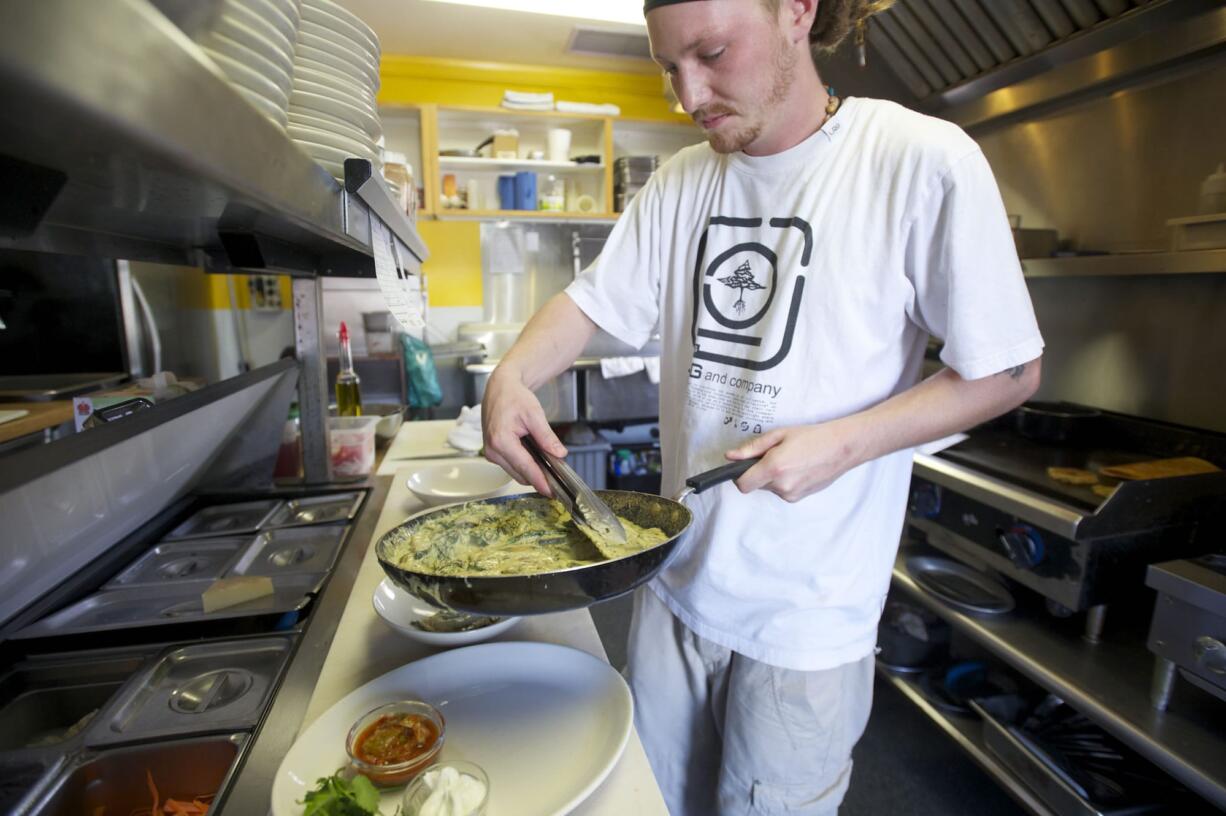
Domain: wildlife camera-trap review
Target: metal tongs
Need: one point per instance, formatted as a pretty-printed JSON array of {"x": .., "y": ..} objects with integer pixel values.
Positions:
[{"x": 591, "y": 515}]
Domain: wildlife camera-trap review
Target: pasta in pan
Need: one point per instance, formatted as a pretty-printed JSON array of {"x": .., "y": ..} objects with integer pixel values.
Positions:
[{"x": 520, "y": 537}]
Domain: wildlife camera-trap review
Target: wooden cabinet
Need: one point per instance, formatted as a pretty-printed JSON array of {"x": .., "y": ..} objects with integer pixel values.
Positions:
[{"x": 425, "y": 132}]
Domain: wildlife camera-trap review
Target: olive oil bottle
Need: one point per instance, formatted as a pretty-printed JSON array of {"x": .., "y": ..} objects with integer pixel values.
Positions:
[{"x": 348, "y": 387}]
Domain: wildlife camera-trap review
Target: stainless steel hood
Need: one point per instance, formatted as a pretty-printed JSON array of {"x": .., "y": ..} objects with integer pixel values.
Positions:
[{"x": 976, "y": 61}]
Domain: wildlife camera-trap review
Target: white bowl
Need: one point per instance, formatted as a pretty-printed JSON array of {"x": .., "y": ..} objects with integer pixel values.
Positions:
[
  {"x": 460, "y": 480},
  {"x": 399, "y": 609}
]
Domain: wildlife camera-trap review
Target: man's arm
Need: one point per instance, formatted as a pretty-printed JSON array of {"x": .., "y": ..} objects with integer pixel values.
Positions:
[
  {"x": 803, "y": 459},
  {"x": 552, "y": 340}
]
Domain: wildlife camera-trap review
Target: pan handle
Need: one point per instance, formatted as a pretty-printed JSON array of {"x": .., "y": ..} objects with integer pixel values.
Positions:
[{"x": 719, "y": 475}]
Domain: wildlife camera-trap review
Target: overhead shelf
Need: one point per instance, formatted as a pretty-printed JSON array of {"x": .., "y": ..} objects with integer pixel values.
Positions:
[
  {"x": 525, "y": 215},
  {"x": 1107, "y": 682},
  {"x": 537, "y": 165},
  {"x": 1191, "y": 262},
  {"x": 119, "y": 138}
]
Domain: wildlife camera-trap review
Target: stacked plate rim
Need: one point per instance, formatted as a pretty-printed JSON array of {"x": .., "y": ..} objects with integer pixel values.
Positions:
[
  {"x": 251, "y": 43},
  {"x": 332, "y": 113}
]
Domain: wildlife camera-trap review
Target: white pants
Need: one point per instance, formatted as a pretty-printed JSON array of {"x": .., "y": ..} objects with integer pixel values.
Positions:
[{"x": 727, "y": 735}]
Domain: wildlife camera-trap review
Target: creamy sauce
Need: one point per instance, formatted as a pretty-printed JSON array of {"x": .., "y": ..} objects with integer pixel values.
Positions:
[{"x": 521, "y": 537}]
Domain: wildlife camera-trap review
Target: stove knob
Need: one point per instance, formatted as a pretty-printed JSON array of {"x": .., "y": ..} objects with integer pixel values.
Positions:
[
  {"x": 1023, "y": 545},
  {"x": 1210, "y": 653},
  {"x": 926, "y": 501}
]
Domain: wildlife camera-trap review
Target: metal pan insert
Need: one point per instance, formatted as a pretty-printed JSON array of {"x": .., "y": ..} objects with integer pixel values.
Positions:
[
  {"x": 291, "y": 551},
  {"x": 315, "y": 510},
  {"x": 226, "y": 519},
  {"x": 192, "y": 560},
  {"x": 959, "y": 586},
  {"x": 195, "y": 689},
  {"x": 162, "y": 605}
]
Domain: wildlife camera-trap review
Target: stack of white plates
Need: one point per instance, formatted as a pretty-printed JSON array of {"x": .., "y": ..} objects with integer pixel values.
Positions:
[
  {"x": 252, "y": 41},
  {"x": 332, "y": 114}
]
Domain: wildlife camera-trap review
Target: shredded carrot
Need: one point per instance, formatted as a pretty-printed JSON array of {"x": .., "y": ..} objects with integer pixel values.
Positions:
[{"x": 152, "y": 789}]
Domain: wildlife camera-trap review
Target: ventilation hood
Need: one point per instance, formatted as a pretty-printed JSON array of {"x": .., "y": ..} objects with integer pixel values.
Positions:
[{"x": 954, "y": 57}]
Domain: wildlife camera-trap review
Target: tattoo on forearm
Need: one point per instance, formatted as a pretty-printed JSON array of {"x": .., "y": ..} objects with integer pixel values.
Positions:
[{"x": 1015, "y": 372}]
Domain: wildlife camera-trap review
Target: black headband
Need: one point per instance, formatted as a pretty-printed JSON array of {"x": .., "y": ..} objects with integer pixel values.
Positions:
[{"x": 648, "y": 5}]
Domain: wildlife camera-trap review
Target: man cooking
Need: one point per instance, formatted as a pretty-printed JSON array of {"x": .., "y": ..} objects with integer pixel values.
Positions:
[{"x": 794, "y": 265}]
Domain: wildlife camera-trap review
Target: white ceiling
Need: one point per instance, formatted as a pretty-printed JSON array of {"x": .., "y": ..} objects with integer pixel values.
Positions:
[{"x": 423, "y": 28}]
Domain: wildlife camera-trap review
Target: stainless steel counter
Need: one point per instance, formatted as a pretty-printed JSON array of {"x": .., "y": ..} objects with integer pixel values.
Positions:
[{"x": 345, "y": 645}]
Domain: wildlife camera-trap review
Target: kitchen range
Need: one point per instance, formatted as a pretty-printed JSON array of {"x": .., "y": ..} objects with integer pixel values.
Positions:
[
  {"x": 1019, "y": 600},
  {"x": 177, "y": 627}
]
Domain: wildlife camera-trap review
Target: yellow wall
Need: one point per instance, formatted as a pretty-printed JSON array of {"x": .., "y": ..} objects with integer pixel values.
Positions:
[
  {"x": 423, "y": 80},
  {"x": 454, "y": 267},
  {"x": 205, "y": 291}
]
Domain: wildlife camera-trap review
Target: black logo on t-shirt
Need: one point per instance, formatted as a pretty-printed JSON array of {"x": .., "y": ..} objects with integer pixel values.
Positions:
[{"x": 726, "y": 317}]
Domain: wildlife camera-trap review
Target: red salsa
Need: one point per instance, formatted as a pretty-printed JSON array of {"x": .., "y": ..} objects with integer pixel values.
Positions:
[{"x": 394, "y": 739}]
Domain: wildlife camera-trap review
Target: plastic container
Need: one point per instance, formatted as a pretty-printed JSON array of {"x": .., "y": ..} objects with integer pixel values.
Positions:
[
  {"x": 397, "y": 169},
  {"x": 468, "y": 785},
  {"x": 553, "y": 194},
  {"x": 396, "y": 773},
  {"x": 351, "y": 446},
  {"x": 1213, "y": 192}
]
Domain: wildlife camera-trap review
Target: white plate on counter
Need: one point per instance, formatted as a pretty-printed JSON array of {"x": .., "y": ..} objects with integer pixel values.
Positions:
[
  {"x": 399, "y": 610},
  {"x": 547, "y": 724},
  {"x": 461, "y": 480}
]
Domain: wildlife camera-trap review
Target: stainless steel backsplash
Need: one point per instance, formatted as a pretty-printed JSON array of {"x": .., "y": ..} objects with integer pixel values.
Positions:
[{"x": 1107, "y": 174}]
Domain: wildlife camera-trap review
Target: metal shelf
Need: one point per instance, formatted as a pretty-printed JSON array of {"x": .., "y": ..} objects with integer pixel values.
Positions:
[
  {"x": 119, "y": 138},
  {"x": 1107, "y": 682},
  {"x": 1192, "y": 262},
  {"x": 542, "y": 165},
  {"x": 967, "y": 733}
]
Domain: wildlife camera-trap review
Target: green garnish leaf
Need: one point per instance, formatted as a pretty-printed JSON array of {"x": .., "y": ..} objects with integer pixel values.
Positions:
[{"x": 337, "y": 796}]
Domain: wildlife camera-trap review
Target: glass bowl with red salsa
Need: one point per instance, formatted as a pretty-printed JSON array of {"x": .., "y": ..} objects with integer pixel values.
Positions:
[{"x": 389, "y": 745}]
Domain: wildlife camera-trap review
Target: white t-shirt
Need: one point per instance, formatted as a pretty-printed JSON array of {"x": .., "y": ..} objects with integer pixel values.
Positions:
[{"x": 792, "y": 289}]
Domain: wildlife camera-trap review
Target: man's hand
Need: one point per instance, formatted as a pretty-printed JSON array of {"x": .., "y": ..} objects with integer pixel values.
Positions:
[
  {"x": 799, "y": 460},
  {"x": 509, "y": 411},
  {"x": 803, "y": 459}
]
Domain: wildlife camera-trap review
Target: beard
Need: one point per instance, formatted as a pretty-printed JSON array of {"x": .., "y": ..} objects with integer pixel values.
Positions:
[{"x": 730, "y": 140}]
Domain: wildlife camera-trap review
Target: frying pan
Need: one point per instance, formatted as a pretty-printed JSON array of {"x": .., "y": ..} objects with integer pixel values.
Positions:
[
  {"x": 561, "y": 590},
  {"x": 1053, "y": 421}
]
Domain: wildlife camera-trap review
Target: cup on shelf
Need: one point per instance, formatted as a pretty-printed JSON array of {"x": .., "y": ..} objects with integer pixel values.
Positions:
[
  {"x": 525, "y": 190},
  {"x": 506, "y": 192},
  {"x": 559, "y": 144}
]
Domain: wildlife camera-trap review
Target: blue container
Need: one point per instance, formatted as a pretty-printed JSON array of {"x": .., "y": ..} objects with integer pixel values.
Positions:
[
  {"x": 506, "y": 192},
  {"x": 525, "y": 191}
]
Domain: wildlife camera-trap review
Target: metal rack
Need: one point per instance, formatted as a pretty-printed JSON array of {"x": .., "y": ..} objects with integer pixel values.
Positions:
[
  {"x": 1107, "y": 682},
  {"x": 118, "y": 138}
]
